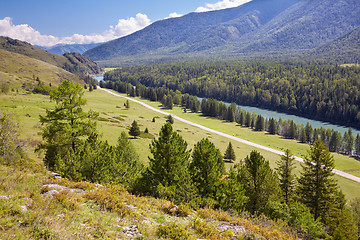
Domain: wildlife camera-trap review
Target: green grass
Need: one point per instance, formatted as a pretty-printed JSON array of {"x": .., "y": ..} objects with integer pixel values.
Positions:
[
  {"x": 18, "y": 69},
  {"x": 116, "y": 118},
  {"x": 193, "y": 135}
]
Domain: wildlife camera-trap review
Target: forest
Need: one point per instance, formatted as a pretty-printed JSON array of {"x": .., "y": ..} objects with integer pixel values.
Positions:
[
  {"x": 345, "y": 144},
  {"x": 322, "y": 92}
]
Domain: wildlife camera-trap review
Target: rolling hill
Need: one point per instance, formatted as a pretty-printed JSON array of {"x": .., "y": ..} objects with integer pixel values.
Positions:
[
  {"x": 258, "y": 28},
  {"x": 21, "y": 71},
  {"x": 72, "y": 62}
]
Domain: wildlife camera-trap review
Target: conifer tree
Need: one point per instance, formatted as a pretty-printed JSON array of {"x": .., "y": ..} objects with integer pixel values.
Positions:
[
  {"x": 260, "y": 123},
  {"x": 170, "y": 119},
  {"x": 285, "y": 171},
  {"x": 134, "y": 130},
  {"x": 230, "y": 153},
  {"x": 66, "y": 126},
  {"x": 260, "y": 182},
  {"x": 357, "y": 145},
  {"x": 168, "y": 175},
  {"x": 316, "y": 187},
  {"x": 272, "y": 126},
  {"x": 206, "y": 168}
]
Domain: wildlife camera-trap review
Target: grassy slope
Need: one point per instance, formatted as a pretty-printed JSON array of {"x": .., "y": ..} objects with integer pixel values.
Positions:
[
  {"x": 115, "y": 118},
  {"x": 17, "y": 69},
  {"x": 104, "y": 213}
]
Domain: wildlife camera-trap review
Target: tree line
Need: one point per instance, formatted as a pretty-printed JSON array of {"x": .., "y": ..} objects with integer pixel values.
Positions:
[
  {"x": 345, "y": 144},
  {"x": 312, "y": 204},
  {"x": 322, "y": 92}
]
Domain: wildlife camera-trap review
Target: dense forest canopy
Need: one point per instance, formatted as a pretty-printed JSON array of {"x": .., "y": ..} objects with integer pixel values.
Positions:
[{"x": 322, "y": 92}]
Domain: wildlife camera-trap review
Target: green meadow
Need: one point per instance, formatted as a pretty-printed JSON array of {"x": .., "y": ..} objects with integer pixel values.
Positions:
[{"x": 115, "y": 118}]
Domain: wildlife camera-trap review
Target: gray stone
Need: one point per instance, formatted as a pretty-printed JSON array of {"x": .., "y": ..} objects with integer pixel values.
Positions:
[{"x": 50, "y": 193}]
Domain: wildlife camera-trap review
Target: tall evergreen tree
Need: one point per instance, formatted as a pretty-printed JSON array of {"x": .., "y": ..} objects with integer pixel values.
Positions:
[
  {"x": 260, "y": 182},
  {"x": 272, "y": 126},
  {"x": 67, "y": 125},
  {"x": 134, "y": 129},
  {"x": 230, "y": 153},
  {"x": 357, "y": 145},
  {"x": 206, "y": 168},
  {"x": 308, "y": 132},
  {"x": 285, "y": 171},
  {"x": 168, "y": 175},
  {"x": 316, "y": 187},
  {"x": 260, "y": 123}
]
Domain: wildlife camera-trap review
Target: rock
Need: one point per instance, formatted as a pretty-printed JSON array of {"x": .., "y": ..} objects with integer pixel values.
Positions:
[
  {"x": 56, "y": 175},
  {"x": 54, "y": 186},
  {"x": 228, "y": 226},
  {"x": 76, "y": 190},
  {"x": 23, "y": 208},
  {"x": 61, "y": 188},
  {"x": 99, "y": 185},
  {"x": 174, "y": 209},
  {"x": 132, "y": 231},
  {"x": 50, "y": 193}
]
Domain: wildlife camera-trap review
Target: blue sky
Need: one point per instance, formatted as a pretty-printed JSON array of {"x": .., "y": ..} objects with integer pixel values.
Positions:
[{"x": 49, "y": 22}]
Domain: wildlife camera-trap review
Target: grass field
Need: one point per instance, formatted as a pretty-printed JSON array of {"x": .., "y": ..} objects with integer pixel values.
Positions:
[{"x": 115, "y": 118}]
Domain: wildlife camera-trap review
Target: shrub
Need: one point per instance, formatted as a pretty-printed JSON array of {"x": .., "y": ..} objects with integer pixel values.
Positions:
[{"x": 173, "y": 231}]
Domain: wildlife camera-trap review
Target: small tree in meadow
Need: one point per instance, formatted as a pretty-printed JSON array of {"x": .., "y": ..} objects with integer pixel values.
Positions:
[{"x": 134, "y": 130}]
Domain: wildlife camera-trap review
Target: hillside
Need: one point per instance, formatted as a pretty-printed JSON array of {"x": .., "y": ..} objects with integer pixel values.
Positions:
[
  {"x": 20, "y": 70},
  {"x": 346, "y": 47},
  {"x": 258, "y": 28},
  {"x": 74, "y": 62},
  {"x": 35, "y": 205}
]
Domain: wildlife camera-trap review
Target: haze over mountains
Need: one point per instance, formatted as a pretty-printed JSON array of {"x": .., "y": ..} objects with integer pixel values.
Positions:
[{"x": 259, "y": 28}]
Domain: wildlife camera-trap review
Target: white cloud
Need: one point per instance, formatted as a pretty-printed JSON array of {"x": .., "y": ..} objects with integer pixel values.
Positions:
[
  {"x": 26, "y": 33},
  {"x": 174, "y": 15},
  {"x": 221, "y": 5}
]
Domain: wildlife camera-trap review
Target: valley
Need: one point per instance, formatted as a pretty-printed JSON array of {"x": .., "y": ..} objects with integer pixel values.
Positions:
[{"x": 234, "y": 121}]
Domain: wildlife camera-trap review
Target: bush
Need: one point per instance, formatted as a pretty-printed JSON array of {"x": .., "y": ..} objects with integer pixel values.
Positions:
[{"x": 173, "y": 231}]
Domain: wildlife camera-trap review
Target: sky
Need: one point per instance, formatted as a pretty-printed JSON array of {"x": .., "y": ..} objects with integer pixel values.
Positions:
[{"x": 51, "y": 22}]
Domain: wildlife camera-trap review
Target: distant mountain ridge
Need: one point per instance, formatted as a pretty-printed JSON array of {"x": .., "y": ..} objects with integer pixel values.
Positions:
[
  {"x": 72, "y": 62},
  {"x": 67, "y": 48},
  {"x": 259, "y": 27}
]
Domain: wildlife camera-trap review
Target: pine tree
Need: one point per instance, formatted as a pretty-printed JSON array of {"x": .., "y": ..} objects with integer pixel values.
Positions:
[
  {"x": 272, "y": 126},
  {"x": 170, "y": 119},
  {"x": 168, "y": 175},
  {"x": 127, "y": 104},
  {"x": 316, "y": 187},
  {"x": 206, "y": 168},
  {"x": 134, "y": 130},
  {"x": 260, "y": 182},
  {"x": 66, "y": 126},
  {"x": 357, "y": 145},
  {"x": 260, "y": 123},
  {"x": 230, "y": 153},
  {"x": 285, "y": 171}
]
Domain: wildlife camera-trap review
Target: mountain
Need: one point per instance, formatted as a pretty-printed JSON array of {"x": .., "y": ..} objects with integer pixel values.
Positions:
[
  {"x": 346, "y": 47},
  {"x": 21, "y": 71},
  {"x": 257, "y": 28},
  {"x": 72, "y": 62},
  {"x": 66, "y": 48}
]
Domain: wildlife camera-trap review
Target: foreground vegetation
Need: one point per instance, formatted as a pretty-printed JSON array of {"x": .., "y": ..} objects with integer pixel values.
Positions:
[{"x": 210, "y": 198}]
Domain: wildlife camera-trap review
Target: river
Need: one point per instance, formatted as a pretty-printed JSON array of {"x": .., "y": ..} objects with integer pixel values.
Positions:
[{"x": 298, "y": 120}]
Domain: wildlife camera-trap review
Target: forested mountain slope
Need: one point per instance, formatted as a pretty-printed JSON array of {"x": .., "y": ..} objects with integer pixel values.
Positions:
[{"x": 257, "y": 28}]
